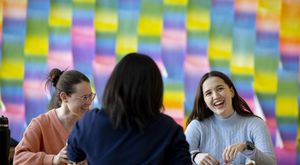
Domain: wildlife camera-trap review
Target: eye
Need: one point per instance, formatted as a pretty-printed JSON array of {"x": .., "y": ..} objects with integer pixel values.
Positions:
[
  {"x": 207, "y": 93},
  {"x": 219, "y": 89},
  {"x": 85, "y": 98}
]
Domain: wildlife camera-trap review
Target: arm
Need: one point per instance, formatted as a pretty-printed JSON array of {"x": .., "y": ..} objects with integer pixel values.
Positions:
[
  {"x": 28, "y": 150},
  {"x": 263, "y": 152},
  {"x": 75, "y": 153},
  {"x": 179, "y": 149},
  {"x": 193, "y": 137}
]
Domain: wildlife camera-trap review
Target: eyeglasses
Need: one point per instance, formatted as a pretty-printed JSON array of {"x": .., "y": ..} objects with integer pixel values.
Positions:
[{"x": 86, "y": 98}]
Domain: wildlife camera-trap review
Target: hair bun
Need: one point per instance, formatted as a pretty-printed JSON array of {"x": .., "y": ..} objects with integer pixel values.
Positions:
[{"x": 54, "y": 75}]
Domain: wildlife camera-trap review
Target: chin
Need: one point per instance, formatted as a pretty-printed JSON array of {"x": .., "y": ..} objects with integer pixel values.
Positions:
[
  {"x": 221, "y": 113},
  {"x": 85, "y": 109}
]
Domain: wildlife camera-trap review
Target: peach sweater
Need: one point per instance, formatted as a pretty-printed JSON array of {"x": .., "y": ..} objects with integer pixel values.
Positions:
[{"x": 43, "y": 139}]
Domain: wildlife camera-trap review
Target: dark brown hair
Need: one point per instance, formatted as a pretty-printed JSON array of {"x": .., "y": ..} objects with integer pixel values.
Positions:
[
  {"x": 201, "y": 111},
  {"x": 63, "y": 81},
  {"x": 134, "y": 92}
]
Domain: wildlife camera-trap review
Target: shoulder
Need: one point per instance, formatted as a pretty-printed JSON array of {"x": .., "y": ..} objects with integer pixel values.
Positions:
[
  {"x": 95, "y": 112},
  {"x": 89, "y": 123},
  {"x": 197, "y": 127},
  {"x": 254, "y": 122},
  {"x": 163, "y": 118},
  {"x": 43, "y": 119},
  {"x": 46, "y": 115},
  {"x": 199, "y": 124},
  {"x": 164, "y": 121},
  {"x": 39, "y": 123},
  {"x": 166, "y": 118},
  {"x": 94, "y": 115}
]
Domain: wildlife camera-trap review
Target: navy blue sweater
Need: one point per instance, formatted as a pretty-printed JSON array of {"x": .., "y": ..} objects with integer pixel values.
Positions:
[{"x": 94, "y": 139}]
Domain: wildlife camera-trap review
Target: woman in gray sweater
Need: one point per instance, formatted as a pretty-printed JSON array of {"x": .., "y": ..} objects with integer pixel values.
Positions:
[{"x": 223, "y": 129}]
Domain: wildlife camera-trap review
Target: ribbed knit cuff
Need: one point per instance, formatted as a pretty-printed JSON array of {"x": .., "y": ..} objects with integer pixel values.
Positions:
[
  {"x": 250, "y": 154},
  {"x": 194, "y": 154},
  {"x": 48, "y": 159}
]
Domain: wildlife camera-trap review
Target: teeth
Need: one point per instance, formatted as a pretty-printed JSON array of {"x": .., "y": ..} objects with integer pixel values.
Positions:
[{"x": 218, "y": 103}]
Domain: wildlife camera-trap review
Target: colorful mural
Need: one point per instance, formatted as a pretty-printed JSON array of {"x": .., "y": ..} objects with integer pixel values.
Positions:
[{"x": 255, "y": 42}]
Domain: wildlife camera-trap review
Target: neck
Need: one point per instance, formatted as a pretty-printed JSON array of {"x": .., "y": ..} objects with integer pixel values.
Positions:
[
  {"x": 67, "y": 119},
  {"x": 230, "y": 113},
  {"x": 225, "y": 122}
]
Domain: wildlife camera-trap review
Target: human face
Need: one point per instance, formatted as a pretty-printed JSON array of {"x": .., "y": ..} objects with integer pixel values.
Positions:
[
  {"x": 218, "y": 96},
  {"x": 77, "y": 102}
]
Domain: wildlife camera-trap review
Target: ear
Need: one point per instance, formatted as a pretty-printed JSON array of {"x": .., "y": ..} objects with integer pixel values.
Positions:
[
  {"x": 232, "y": 92},
  {"x": 63, "y": 97}
]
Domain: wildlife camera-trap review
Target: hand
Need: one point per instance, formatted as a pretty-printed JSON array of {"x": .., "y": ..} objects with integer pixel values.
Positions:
[
  {"x": 205, "y": 158},
  {"x": 84, "y": 162},
  {"x": 61, "y": 157},
  {"x": 231, "y": 151}
]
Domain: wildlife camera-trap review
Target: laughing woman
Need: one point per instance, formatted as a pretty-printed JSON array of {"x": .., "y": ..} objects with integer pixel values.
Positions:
[
  {"x": 44, "y": 139},
  {"x": 223, "y": 129}
]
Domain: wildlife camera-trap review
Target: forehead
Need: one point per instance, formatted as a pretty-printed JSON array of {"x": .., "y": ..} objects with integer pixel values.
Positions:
[
  {"x": 83, "y": 88},
  {"x": 213, "y": 82}
]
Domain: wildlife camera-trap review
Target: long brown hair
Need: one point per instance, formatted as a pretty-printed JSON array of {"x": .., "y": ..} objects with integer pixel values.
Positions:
[{"x": 201, "y": 111}]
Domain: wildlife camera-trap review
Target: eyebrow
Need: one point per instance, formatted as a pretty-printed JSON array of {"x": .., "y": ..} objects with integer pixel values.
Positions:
[
  {"x": 215, "y": 87},
  {"x": 87, "y": 94},
  {"x": 219, "y": 86},
  {"x": 206, "y": 91}
]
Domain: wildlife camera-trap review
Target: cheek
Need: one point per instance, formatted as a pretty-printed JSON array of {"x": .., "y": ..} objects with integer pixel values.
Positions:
[
  {"x": 75, "y": 104},
  {"x": 207, "y": 101},
  {"x": 227, "y": 94}
]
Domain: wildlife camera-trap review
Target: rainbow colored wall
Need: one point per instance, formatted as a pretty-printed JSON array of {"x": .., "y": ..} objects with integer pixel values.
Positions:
[{"x": 256, "y": 42}]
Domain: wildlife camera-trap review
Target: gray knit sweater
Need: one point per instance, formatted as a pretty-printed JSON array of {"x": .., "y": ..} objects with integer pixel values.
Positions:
[{"x": 214, "y": 134}]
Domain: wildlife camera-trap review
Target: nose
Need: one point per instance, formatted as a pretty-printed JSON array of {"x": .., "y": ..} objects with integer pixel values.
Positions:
[
  {"x": 89, "y": 101},
  {"x": 215, "y": 94}
]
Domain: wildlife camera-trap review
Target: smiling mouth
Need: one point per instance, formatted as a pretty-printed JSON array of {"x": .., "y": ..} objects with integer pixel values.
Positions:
[
  {"x": 219, "y": 104},
  {"x": 86, "y": 108}
]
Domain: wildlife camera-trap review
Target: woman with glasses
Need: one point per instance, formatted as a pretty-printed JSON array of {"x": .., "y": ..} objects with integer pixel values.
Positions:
[
  {"x": 44, "y": 140},
  {"x": 130, "y": 129}
]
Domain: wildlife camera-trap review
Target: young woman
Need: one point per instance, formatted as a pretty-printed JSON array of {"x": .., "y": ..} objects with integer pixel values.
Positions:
[
  {"x": 130, "y": 129},
  {"x": 222, "y": 127},
  {"x": 44, "y": 139}
]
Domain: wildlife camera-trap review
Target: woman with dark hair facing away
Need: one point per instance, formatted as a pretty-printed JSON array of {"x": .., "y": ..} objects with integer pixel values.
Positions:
[
  {"x": 44, "y": 140},
  {"x": 130, "y": 128},
  {"x": 222, "y": 127}
]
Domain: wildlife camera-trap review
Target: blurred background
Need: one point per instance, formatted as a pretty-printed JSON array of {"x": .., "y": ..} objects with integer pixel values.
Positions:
[{"x": 255, "y": 42}]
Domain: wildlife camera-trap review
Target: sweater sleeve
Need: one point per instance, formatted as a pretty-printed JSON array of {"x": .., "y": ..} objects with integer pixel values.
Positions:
[
  {"x": 28, "y": 150},
  {"x": 193, "y": 136},
  {"x": 75, "y": 153},
  {"x": 263, "y": 152},
  {"x": 179, "y": 149}
]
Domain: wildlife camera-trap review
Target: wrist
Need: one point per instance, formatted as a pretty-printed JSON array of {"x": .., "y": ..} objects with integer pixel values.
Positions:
[
  {"x": 48, "y": 159},
  {"x": 249, "y": 146},
  {"x": 244, "y": 146},
  {"x": 194, "y": 156}
]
